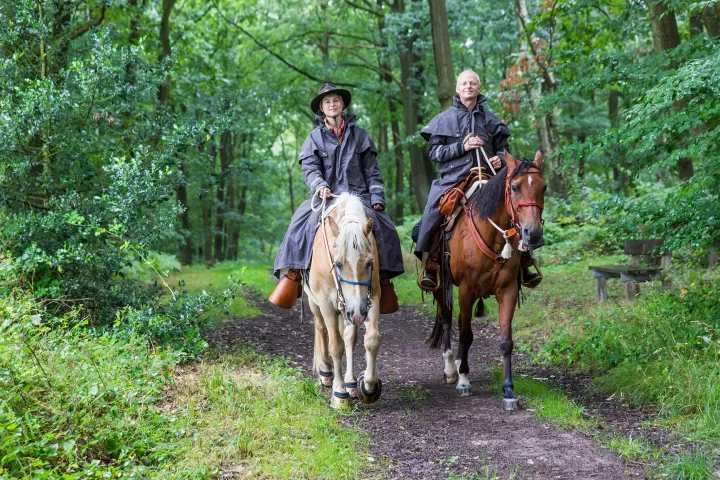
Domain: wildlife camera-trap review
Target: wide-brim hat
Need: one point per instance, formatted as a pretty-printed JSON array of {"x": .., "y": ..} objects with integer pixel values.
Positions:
[{"x": 326, "y": 89}]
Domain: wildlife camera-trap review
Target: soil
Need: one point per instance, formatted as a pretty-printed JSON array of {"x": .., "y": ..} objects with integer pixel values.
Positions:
[{"x": 421, "y": 429}]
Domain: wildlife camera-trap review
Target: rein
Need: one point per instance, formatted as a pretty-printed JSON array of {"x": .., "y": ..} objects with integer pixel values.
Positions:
[{"x": 335, "y": 274}]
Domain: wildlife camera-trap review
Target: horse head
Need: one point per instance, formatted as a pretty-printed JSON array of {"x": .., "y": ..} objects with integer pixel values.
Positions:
[
  {"x": 525, "y": 197},
  {"x": 353, "y": 258}
]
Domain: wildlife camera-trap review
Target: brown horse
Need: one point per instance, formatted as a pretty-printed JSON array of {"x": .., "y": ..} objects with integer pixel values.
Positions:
[
  {"x": 343, "y": 290},
  {"x": 513, "y": 200}
]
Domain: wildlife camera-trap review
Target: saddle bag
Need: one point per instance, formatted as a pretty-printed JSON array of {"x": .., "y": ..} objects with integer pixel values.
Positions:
[{"x": 450, "y": 199}]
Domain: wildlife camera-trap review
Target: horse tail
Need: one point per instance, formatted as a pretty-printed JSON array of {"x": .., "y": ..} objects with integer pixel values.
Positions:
[
  {"x": 443, "y": 318},
  {"x": 480, "y": 308}
]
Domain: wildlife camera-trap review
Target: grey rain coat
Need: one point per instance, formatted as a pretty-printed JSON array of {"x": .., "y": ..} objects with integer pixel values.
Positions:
[
  {"x": 348, "y": 167},
  {"x": 445, "y": 134}
]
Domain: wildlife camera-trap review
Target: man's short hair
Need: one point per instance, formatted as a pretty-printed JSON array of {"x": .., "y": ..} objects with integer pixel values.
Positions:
[{"x": 467, "y": 71}]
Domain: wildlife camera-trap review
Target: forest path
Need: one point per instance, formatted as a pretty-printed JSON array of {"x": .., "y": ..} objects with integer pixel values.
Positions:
[{"x": 420, "y": 426}]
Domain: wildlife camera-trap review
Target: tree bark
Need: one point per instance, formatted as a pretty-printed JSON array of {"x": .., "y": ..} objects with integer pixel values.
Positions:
[
  {"x": 443, "y": 53},
  {"x": 225, "y": 147},
  {"x": 206, "y": 198},
  {"x": 394, "y": 125},
  {"x": 711, "y": 19},
  {"x": 546, "y": 124},
  {"x": 421, "y": 176},
  {"x": 666, "y": 37},
  {"x": 696, "y": 23}
]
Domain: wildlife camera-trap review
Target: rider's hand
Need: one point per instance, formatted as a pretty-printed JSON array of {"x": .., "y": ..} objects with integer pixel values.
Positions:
[
  {"x": 495, "y": 162},
  {"x": 379, "y": 207},
  {"x": 325, "y": 193},
  {"x": 473, "y": 143}
]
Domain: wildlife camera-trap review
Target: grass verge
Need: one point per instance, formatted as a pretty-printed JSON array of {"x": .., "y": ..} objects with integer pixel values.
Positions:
[{"x": 77, "y": 402}]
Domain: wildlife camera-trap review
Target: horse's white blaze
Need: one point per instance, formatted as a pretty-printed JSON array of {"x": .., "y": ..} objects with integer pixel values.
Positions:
[{"x": 529, "y": 180}]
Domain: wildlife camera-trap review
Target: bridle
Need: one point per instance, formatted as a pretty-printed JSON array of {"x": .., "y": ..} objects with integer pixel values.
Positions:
[
  {"x": 337, "y": 278},
  {"x": 513, "y": 209}
]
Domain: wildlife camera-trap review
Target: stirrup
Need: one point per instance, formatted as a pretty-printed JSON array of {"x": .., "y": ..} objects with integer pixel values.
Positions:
[
  {"x": 533, "y": 279},
  {"x": 423, "y": 280}
]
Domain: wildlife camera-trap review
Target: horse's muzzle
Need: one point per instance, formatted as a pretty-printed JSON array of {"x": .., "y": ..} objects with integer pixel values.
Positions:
[
  {"x": 533, "y": 237},
  {"x": 356, "y": 315}
]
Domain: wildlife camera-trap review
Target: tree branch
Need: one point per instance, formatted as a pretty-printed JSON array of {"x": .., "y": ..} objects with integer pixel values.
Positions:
[
  {"x": 88, "y": 25},
  {"x": 366, "y": 9},
  {"x": 277, "y": 56}
]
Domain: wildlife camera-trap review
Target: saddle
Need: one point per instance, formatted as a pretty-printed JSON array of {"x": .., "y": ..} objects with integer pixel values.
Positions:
[{"x": 452, "y": 200}]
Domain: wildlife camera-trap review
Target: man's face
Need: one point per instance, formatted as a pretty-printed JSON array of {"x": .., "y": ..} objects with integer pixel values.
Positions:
[
  {"x": 468, "y": 86},
  {"x": 332, "y": 105}
]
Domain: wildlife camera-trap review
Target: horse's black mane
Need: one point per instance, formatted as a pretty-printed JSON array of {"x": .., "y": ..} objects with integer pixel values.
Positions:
[{"x": 484, "y": 201}]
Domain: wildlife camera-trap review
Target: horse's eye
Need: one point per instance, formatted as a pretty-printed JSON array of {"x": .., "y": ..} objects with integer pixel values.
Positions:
[
  {"x": 338, "y": 264},
  {"x": 369, "y": 264},
  {"x": 514, "y": 188}
]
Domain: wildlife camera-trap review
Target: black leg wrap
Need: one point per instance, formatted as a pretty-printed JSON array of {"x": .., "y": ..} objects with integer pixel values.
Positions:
[
  {"x": 341, "y": 395},
  {"x": 325, "y": 374}
]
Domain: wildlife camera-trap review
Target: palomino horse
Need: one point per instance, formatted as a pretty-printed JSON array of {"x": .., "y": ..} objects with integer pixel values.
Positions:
[
  {"x": 513, "y": 200},
  {"x": 343, "y": 290}
]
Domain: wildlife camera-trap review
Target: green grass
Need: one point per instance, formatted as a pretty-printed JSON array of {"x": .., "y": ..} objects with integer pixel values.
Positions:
[
  {"x": 263, "y": 418},
  {"x": 80, "y": 403},
  {"x": 548, "y": 404},
  {"x": 256, "y": 277}
]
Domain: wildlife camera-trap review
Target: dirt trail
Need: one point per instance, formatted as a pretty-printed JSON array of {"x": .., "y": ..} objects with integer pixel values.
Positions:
[{"x": 420, "y": 425}]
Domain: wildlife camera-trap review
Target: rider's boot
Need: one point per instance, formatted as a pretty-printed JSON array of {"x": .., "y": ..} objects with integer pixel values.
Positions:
[
  {"x": 429, "y": 281},
  {"x": 287, "y": 290},
  {"x": 388, "y": 298},
  {"x": 527, "y": 278}
]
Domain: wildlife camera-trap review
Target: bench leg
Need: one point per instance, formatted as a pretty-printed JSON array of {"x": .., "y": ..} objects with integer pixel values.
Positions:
[
  {"x": 601, "y": 288},
  {"x": 633, "y": 289}
]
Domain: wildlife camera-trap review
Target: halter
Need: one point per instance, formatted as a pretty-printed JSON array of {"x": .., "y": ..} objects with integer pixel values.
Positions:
[
  {"x": 335, "y": 274},
  {"x": 513, "y": 209}
]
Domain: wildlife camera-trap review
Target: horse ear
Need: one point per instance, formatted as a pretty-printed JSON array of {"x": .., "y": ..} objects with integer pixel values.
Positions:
[
  {"x": 367, "y": 228},
  {"x": 333, "y": 226},
  {"x": 511, "y": 162},
  {"x": 538, "y": 160}
]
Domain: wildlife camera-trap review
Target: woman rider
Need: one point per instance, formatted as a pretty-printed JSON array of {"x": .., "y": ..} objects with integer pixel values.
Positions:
[{"x": 337, "y": 156}]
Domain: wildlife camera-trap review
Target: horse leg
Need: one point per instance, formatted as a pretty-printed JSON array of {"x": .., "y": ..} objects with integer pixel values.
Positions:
[
  {"x": 322, "y": 363},
  {"x": 450, "y": 373},
  {"x": 506, "y": 302},
  {"x": 369, "y": 385},
  {"x": 333, "y": 321},
  {"x": 465, "y": 300},
  {"x": 350, "y": 336}
]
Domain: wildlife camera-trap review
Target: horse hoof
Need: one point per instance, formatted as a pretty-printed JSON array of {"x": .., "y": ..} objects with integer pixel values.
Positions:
[
  {"x": 351, "y": 388},
  {"x": 368, "y": 397},
  {"x": 340, "y": 400},
  {"x": 450, "y": 379},
  {"x": 463, "y": 390},
  {"x": 510, "y": 404},
  {"x": 326, "y": 379}
]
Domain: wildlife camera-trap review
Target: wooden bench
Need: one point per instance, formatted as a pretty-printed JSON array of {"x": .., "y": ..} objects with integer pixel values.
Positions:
[{"x": 645, "y": 266}]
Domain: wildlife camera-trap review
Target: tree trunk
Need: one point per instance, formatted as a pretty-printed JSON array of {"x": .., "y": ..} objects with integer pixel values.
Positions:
[
  {"x": 164, "y": 90},
  {"x": 186, "y": 253},
  {"x": 443, "y": 53},
  {"x": 546, "y": 124},
  {"x": 394, "y": 125},
  {"x": 291, "y": 191},
  {"x": 711, "y": 19},
  {"x": 225, "y": 147},
  {"x": 666, "y": 37},
  {"x": 696, "y": 23},
  {"x": 207, "y": 207},
  {"x": 421, "y": 178},
  {"x": 664, "y": 26}
]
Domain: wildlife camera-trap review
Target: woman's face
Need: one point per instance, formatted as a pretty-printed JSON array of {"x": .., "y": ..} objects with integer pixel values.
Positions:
[{"x": 332, "y": 105}]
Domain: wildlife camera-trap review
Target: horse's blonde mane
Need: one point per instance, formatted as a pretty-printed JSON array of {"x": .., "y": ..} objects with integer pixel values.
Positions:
[{"x": 351, "y": 218}]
